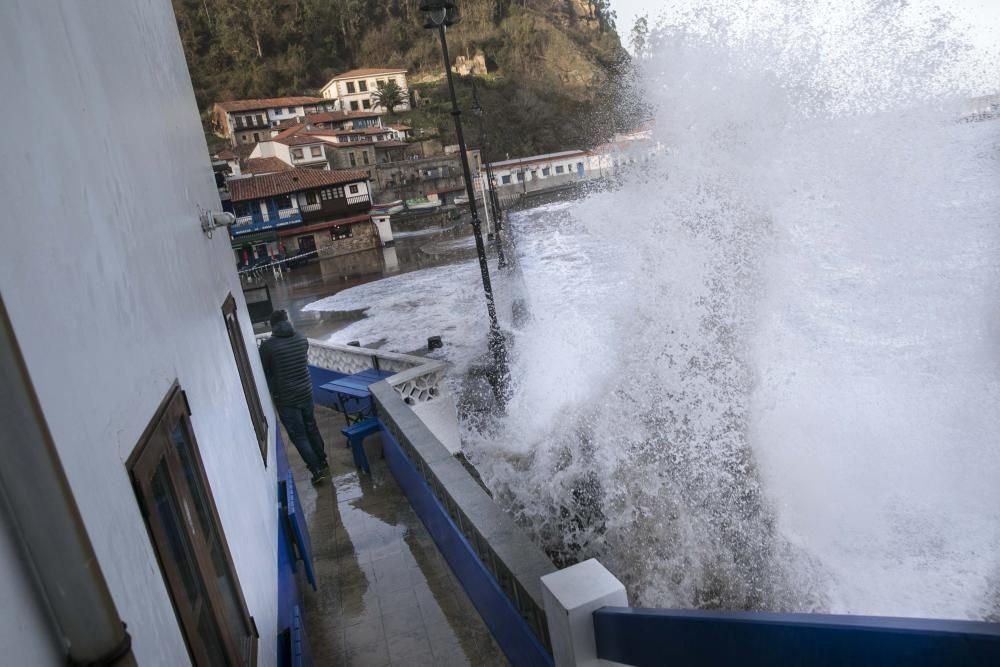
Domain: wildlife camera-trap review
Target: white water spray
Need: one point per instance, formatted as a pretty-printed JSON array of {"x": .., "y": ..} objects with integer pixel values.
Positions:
[{"x": 763, "y": 373}]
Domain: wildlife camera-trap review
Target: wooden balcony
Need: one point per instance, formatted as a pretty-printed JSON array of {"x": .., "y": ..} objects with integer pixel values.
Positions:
[{"x": 339, "y": 208}]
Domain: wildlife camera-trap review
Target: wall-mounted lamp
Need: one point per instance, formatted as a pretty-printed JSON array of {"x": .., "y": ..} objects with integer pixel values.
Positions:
[{"x": 211, "y": 221}]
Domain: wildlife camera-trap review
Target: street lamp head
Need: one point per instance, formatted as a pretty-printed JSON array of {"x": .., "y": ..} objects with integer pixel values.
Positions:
[{"x": 439, "y": 13}]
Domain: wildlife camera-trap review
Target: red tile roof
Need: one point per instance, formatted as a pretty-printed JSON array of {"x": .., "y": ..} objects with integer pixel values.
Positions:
[
  {"x": 226, "y": 154},
  {"x": 289, "y": 131},
  {"x": 267, "y": 103},
  {"x": 287, "y": 182},
  {"x": 335, "y": 116},
  {"x": 325, "y": 132},
  {"x": 358, "y": 73},
  {"x": 263, "y": 165},
  {"x": 327, "y": 117},
  {"x": 299, "y": 140}
]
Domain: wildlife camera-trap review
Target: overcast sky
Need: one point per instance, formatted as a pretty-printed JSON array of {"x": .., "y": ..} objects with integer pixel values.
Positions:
[{"x": 983, "y": 15}]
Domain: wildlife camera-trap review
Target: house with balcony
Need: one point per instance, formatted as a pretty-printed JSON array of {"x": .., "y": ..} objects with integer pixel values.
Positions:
[
  {"x": 301, "y": 211},
  {"x": 250, "y": 121},
  {"x": 343, "y": 120},
  {"x": 353, "y": 90}
]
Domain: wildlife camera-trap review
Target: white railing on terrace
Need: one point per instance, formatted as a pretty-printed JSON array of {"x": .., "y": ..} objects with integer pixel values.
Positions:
[
  {"x": 419, "y": 381},
  {"x": 244, "y": 220},
  {"x": 416, "y": 379},
  {"x": 358, "y": 199},
  {"x": 286, "y": 213}
]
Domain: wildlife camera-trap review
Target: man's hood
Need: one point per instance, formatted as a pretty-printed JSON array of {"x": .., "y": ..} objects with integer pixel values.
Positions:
[{"x": 283, "y": 329}]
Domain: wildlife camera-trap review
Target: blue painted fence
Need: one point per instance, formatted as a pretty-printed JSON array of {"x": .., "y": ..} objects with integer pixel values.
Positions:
[
  {"x": 511, "y": 632},
  {"x": 644, "y": 637}
]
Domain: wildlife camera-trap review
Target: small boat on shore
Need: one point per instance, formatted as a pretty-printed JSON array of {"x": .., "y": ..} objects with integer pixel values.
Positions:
[{"x": 389, "y": 208}]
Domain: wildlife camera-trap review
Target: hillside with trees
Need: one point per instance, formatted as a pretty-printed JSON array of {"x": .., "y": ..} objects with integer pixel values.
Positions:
[{"x": 555, "y": 69}]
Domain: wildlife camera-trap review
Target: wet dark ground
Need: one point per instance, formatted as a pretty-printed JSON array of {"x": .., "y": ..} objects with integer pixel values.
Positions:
[{"x": 385, "y": 594}]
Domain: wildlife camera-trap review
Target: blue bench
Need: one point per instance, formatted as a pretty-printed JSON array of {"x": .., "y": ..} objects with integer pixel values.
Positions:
[{"x": 356, "y": 434}]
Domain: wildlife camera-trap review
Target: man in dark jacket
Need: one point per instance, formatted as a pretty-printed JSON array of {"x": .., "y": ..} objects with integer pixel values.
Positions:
[{"x": 286, "y": 366}]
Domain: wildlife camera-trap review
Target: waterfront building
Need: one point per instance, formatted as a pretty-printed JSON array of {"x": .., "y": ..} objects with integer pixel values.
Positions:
[
  {"x": 300, "y": 211},
  {"x": 353, "y": 90},
  {"x": 565, "y": 166}
]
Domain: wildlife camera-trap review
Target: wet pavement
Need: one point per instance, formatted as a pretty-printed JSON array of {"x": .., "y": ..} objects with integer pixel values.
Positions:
[{"x": 385, "y": 594}]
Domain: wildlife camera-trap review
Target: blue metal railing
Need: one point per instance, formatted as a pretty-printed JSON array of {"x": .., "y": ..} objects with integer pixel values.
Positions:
[
  {"x": 706, "y": 638},
  {"x": 256, "y": 223}
]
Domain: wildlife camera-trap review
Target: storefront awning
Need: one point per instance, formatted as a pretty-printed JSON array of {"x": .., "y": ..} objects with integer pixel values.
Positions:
[{"x": 253, "y": 239}]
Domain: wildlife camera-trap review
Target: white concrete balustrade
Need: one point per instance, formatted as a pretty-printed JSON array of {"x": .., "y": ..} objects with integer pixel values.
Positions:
[{"x": 420, "y": 382}]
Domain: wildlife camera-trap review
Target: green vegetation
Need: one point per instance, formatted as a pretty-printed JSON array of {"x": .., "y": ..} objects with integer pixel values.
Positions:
[
  {"x": 389, "y": 96},
  {"x": 556, "y": 69}
]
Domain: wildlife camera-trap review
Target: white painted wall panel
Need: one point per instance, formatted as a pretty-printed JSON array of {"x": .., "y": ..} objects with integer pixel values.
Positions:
[
  {"x": 114, "y": 291},
  {"x": 25, "y": 632}
]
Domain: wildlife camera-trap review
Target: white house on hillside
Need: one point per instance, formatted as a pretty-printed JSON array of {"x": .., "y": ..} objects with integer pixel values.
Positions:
[
  {"x": 353, "y": 90},
  {"x": 294, "y": 149}
]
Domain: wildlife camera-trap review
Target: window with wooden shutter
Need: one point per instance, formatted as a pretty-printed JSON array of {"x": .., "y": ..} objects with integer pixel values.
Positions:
[
  {"x": 246, "y": 374},
  {"x": 183, "y": 524}
]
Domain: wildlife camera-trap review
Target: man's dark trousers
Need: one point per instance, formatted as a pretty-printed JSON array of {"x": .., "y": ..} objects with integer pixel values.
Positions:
[{"x": 300, "y": 422}]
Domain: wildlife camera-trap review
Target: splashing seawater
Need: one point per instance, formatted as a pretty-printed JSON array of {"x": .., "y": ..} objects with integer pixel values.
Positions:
[{"x": 763, "y": 372}]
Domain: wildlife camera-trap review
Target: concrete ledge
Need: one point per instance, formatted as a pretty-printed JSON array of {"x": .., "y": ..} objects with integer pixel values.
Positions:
[{"x": 514, "y": 563}]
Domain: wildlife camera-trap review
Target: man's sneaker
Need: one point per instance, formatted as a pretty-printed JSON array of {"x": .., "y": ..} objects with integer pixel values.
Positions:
[
  {"x": 325, "y": 467},
  {"x": 318, "y": 477}
]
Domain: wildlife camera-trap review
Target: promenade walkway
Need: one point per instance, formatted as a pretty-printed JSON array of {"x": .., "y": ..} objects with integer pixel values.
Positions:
[{"x": 386, "y": 596}]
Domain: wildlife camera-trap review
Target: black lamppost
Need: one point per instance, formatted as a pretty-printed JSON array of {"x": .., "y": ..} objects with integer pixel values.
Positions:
[
  {"x": 440, "y": 15},
  {"x": 490, "y": 193}
]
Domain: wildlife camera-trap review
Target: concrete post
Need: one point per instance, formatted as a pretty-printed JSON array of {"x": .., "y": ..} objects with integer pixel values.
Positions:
[{"x": 571, "y": 597}]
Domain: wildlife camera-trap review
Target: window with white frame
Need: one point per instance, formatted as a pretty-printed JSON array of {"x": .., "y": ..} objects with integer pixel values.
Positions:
[
  {"x": 353, "y": 189},
  {"x": 316, "y": 151},
  {"x": 297, "y": 153}
]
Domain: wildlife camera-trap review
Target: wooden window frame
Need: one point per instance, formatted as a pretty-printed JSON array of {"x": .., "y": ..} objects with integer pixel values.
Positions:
[
  {"x": 153, "y": 450},
  {"x": 242, "y": 357}
]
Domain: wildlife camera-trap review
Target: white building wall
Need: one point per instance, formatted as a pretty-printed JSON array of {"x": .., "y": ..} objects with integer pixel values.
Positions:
[
  {"x": 25, "y": 632},
  {"x": 124, "y": 296}
]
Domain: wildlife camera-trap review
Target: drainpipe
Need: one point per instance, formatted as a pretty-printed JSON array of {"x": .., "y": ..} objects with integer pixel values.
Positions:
[{"x": 35, "y": 495}]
